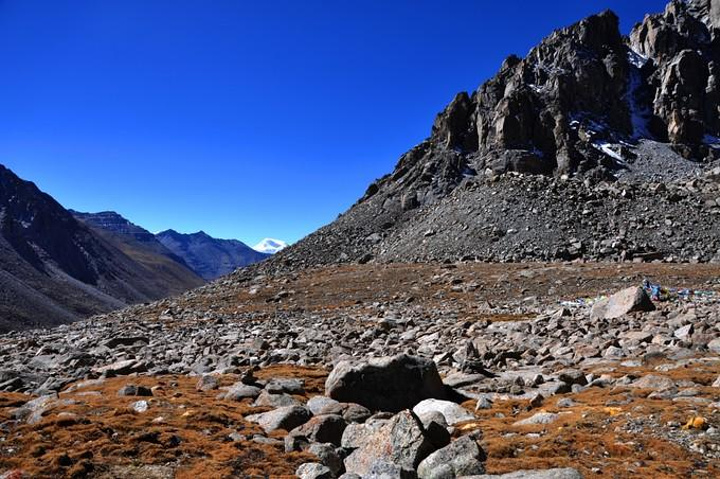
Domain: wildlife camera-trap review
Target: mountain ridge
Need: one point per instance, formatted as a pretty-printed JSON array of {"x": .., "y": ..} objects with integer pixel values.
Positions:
[{"x": 209, "y": 257}]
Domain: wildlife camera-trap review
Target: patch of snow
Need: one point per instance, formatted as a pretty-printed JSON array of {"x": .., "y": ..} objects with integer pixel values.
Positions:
[
  {"x": 607, "y": 148},
  {"x": 639, "y": 115},
  {"x": 270, "y": 245},
  {"x": 637, "y": 59},
  {"x": 536, "y": 88}
]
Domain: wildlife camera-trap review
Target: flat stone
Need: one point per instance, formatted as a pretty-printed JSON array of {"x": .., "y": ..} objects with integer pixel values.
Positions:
[
  {"x": 539, "y": 418},
  {"x": 565, "y": 473},
  {"x": 653, "y": 381}
]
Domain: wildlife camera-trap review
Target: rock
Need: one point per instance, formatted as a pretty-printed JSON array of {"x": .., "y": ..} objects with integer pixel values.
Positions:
[
  {"x": 484, "y": 403},
  {"x": 386, "y": 384},
  {"x": 126, "y": 341},
  {"x": 566, "y": 473},
  {"x": 349, "y": 411},
  {"x": 122, "y": 368},
  {"x": 539, "y": 418},
  {"x": 621, "y": 303},
  {"x": 240, "y": 391},
  {"x": 317, "y": 403},
  {"x": 207, "y": 383},
  {"x": 453, "y": 413},
  {"x": 266, "y": 399},
  {"x": 400, "y": 442},
  {"x": 654, "y": 381},
  {"x": 684, "y": 332},
  {"x": 285, "y": 385},
  {"x": 134, "y": 390},
  {"x": 355, "y": 435},
  {"x": 328, "y": 457},
  {"x": 311, "y": 470},
  {"x": 140, "y": 406},
  {"x": 287, "y": 418},
  {"x": 462, "y": 457},
  {"x": 572, "y": 376},
  {"x": 322, "y": 429},
  {"x": 714, "y": 346},
  {"x": 716, "y": 384}
]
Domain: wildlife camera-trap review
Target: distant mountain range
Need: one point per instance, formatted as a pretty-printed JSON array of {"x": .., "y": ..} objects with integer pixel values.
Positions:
[
  {"x": 58, "y": 265},
  {"x": 209, "y": 257}
]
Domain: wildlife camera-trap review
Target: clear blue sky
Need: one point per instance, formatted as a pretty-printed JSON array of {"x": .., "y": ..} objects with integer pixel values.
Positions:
[{"x": 245, "y": 119}]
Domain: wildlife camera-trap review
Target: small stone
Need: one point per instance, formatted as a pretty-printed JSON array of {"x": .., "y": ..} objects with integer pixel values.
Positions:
[
  {"x": 539, "y": 418},
  {"x": 134, "y": 390},
  {"x": 312, "y": 470},
  {"x": 140, "y": 406}
]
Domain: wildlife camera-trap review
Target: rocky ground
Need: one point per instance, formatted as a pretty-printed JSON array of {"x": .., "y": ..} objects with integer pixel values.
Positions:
[{"x": 530, "y": 367}]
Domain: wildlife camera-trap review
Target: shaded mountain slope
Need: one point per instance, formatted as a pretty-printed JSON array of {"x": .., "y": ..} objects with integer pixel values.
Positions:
[
  {"x": 210, "y": 257},
  {"x": 55, "y": 269},
  {"x": 144, "y": 248}
]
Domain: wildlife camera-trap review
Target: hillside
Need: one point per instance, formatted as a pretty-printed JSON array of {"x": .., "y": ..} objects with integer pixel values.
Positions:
[
  {"x": 210, "y": 257},
  {"x": 55, "y": 269}
]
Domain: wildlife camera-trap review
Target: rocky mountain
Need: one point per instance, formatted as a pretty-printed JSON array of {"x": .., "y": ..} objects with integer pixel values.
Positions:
[
  {"x": 210, "y": 257},
  {"x": 143, "y": 247},
  {"x": 594, "y": 145},
  {"x": 55, "y": 269},
  {"x": 270, "y": 246}
]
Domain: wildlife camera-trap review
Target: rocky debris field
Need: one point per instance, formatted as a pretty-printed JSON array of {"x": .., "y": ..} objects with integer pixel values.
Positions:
[
  {"x": 516, "y": 218},
  {"x": 407, "y": 370}
]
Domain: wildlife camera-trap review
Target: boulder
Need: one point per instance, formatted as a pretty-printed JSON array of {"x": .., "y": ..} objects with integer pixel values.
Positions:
[
  {"x": 461, "y": 458},
  {"x": 621, "y": 303},
  {"x": 401, "y": 442},
  {"x": 322, "y": 429},
  {"x": 312, "y": 470},
  {"x": 287, "y": 418},
  {"x": 386, "y": 384},
  {"x": 453, "y": 413},
  {"x": 240, "y": 391}
]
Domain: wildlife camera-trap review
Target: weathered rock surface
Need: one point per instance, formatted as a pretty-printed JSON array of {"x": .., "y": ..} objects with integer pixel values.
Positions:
[
  {"x": 385, "y": 384},
  {"x": 621, "y": 303},
  {"x": 462, "y": 457},
  {"x": 400, "y": 442}
]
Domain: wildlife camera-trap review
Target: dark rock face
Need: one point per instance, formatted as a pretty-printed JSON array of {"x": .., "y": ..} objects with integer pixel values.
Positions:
[
  {"x": 143, "y": 247},
  {"x": 386, "y": 384},
  {"x": 681, "y": 46},
  {"x": 209, "y": 257}
]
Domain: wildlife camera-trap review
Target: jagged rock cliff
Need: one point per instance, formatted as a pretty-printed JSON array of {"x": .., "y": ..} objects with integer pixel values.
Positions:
[{"x": 609, "y": 136}]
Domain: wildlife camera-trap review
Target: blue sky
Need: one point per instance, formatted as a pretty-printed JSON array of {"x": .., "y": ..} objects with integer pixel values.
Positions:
[{"x": 243, "y": 119}]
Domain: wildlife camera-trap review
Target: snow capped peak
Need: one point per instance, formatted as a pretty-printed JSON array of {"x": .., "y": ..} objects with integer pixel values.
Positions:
[{"x": 270, "y": 245}]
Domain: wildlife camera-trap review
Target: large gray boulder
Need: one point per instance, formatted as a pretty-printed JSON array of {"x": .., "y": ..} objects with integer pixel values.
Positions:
[
  {"x": 386, "y": 384},
  {"x": 628, "y": 300},
  {"x": 287, "y": 418},
  {"x": 401, "y": 442},
  {"x": 460, "y": 458}
]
